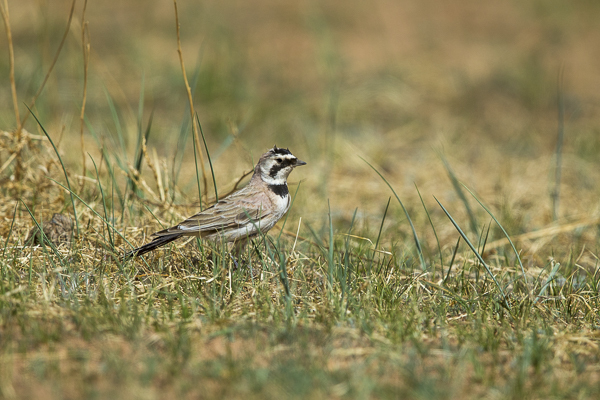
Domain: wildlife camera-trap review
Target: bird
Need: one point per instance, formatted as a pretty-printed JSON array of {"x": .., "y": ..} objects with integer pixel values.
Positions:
[{"x": 242, "y": 215}]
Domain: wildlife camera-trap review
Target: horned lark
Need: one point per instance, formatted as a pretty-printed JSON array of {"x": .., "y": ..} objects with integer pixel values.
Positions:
[{"x": 241, "y": 215}]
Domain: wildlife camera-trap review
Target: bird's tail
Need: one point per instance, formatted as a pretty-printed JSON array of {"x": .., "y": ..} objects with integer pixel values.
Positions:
[{"x": 157, "y": 242}]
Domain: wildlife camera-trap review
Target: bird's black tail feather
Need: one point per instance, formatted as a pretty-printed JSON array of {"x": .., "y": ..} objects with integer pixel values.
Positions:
[{"x": 157, "y": 242}]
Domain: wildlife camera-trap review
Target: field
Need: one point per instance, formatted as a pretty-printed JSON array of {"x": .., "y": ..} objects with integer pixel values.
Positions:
[{"x": 444, "y": 238}]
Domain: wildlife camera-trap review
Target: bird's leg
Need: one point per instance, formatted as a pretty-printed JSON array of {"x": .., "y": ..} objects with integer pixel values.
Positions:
[
  {"x": 235, "y": 263},
  {"x": 236, "y": 251}
]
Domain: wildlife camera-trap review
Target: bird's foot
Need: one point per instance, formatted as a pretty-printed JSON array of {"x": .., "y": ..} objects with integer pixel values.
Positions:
[{"x": 235, "y": 263}]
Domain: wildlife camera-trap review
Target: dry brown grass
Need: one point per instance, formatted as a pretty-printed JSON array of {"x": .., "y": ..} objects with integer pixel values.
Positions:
[{"x": 399, "y": 84}]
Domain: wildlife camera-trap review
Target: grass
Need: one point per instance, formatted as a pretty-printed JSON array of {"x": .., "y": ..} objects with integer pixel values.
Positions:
[{"x": 354, "y": 294}]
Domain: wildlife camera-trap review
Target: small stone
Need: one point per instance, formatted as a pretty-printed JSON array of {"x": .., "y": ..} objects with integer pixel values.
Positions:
[{"x": 58, "y": 230}]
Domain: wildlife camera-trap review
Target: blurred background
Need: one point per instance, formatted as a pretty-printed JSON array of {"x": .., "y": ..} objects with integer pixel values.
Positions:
[{"x": 403, "y": 85}]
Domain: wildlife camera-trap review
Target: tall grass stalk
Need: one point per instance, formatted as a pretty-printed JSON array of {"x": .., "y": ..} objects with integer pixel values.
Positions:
[
  {"x": 549, "y": 280},
  {"x": 178, "y": 155},
  {"x": 197, "y": 175},
  {"x": 412, "y": 227},
  {"x": 457, "y": 188},
  {"x": 330, "y": 262},
  {"x": 10, "y": 230},
  {"x": 437, "y": 239},
  {"x": 466, "y": 239},
  {"x": 63, "y": 169},
  {"x": 52, "y": 65},
  {"x": 387, "y": 206},
  {"x": 503, "y": 231},
  {"x": 106, "y": 156},
  {"x": 212, "y": 171},
  {"x": 451, "y": 260},
  {"x": 555, "y": 194},
  {"x": 108, "y": 229},
  {"x": 117, "y": 123},
  {"x": 143, "y": 137},
  {"x": 44, "y": 239}
]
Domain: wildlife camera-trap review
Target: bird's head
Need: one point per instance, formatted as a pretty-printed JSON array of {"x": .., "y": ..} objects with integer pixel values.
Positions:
[{"x": 276, "y": 164}]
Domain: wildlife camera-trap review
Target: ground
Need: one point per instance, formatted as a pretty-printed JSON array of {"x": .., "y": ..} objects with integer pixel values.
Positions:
[{"x": 370, "y": 288}]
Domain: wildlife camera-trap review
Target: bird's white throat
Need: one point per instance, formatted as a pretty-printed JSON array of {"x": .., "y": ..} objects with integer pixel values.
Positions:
[{"x": 273, "y": 181}]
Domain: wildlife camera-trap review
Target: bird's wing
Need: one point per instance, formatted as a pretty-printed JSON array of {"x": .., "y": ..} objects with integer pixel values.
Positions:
[{"x": 234, "y": 211}]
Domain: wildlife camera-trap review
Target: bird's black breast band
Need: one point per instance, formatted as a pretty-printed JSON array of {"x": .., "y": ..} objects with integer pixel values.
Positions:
[{"x": 280, "y": 190}]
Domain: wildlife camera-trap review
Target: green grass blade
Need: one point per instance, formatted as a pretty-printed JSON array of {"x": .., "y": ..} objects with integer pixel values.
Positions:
[
  {"x": 283, "y": 275},
  {"x": 154, "y": 216},
  {"x": 461, "y": 195},
  {"x": 555, "y": 193},
  {"x": 106, "y": 158},
  {"x": 346, "y": 271},
  {"x": 182, "y": 140},
  {"x": 197, "y": 174},
  {"x": 322, "y": 247},
  {"x": 412, "y": 227},
  {"x": 63, "y": 168},
  {"x": 43, "y": 235},
  {"x": 108, "y": 230},
  {"x": 116, "y": 120},
  {"x": 212, "y": 171},
  {"x": 387, "y": 206},
  {"x": 483, "y": 240},
  {"x": 139, "y": 152},
  {"x": 432, "y": 227},
  {"x": 452, "y": 260},
  {"x": 330, "y": 252},
  {"x": 549, "y": 280},
  {"x": 449, "y": 293},
  {"x": 12, "y": 223},
  {"x": 141, "y": 104},
  {"x": 503, "y": 231},
  {"x": 184, "y": 130},
  {"x": 140, "y": 134},
  {"x": 466, "y": 239}
]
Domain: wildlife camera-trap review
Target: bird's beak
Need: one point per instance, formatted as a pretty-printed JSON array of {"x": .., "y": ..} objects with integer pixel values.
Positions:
[{"x": 299, "y": 163}]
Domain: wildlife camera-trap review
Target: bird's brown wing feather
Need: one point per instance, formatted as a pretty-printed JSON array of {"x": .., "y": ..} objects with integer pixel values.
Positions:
[{"x": 233, "y": 211}]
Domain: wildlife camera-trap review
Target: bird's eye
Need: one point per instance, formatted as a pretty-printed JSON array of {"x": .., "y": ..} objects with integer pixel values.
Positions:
[{"x": 279, "y": 160}]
